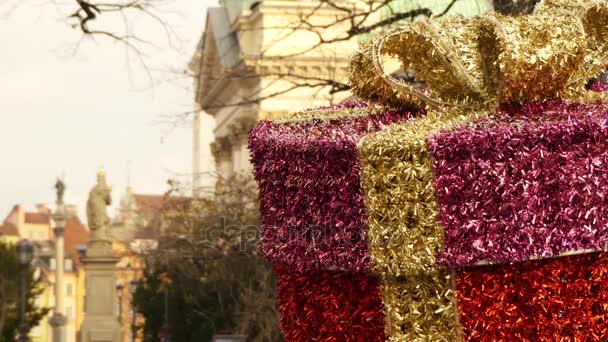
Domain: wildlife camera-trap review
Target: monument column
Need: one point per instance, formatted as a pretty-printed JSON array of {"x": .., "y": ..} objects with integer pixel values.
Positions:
[
  {"x": 100, "y": 322},
  {"x": 58, "y": 320}
]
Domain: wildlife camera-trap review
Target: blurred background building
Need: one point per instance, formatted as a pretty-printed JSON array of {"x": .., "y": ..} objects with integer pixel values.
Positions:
[
  {"x": 261, "y": 59},
  {"x": 37, "y": 227}
]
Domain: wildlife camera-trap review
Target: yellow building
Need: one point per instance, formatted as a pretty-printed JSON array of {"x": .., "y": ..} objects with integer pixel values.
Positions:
[
  {"x": 130, "y": 268},
  {"x": 137, "y": 229},
  {"x": 33, "y": 226},
  {"x": 73, "y": 300},
  {"x": 37, "y": 226}
]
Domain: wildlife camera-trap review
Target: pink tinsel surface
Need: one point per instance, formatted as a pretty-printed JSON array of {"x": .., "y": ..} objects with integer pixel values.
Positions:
[{"x": 531, "y": 182}]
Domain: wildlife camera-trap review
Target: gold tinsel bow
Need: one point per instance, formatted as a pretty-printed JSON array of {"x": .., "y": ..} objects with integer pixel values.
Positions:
[{"x": 490, "y": 59}]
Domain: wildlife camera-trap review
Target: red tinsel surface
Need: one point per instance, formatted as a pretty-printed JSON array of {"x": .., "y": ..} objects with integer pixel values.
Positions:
[
  {"x": 563, "y": 299},
  {"x": 328, "y": 306}
]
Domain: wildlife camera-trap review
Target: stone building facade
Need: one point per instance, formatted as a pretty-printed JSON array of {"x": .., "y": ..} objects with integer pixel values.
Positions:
[
  {"x": 244, "y": 46},
  {"x": 250, "y": 51}
]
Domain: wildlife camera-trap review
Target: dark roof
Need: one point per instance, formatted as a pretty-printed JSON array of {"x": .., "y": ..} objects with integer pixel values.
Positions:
[
  {"x": 150, "y": 206},
  {"x": 12, "y": 213},
  {"x": 37, "y": 218},
  {"x": 75, "y": 234},
  {"x": 8, "y": 229}
]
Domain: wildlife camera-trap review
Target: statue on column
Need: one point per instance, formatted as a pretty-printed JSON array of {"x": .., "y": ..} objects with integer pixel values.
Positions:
[
  {"x": 60, "y": 187},
  {"x": 99, "y": 199}
]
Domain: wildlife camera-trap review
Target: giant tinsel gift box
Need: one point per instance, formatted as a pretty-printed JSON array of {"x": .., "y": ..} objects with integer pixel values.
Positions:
[{"x": 469, "y": 205}]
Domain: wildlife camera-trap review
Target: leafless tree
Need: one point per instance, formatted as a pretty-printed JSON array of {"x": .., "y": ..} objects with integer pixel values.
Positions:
[
  {"x": 369, "y": 17},
  {"x": 89, "y": 17},
  {"x": 112, "y": 21},
  {"x": 210, "y": 248}
]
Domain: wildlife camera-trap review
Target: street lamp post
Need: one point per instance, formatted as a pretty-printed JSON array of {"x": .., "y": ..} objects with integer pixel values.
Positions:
[
  {"x": 134, "y": 284},
  {"x": 119, "y": 288},
  {"x": 166, "y": 337},
  {"x": 25, "y": 254},
  {"x": 58, "y": 320}
]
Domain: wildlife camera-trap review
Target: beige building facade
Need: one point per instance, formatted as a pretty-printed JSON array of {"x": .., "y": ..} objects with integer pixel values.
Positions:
[
  {"x": 261, "y": 59},
  {"x": 250, "y": 61}
]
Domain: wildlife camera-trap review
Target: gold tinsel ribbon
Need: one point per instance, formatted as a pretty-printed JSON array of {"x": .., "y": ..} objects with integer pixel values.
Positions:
[
  {"x": 404, "y": 235},
  {"x": 327, "y": 114},
  {"x": 490, "y": 59},
  {"x": 468, "y": 66}
]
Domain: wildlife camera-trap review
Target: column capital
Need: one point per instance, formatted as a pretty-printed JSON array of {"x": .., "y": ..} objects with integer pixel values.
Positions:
[
  {"x": 59, "y": 216},
  {"x": 221, "y": 147},
  {"x": 59, "y": 230}
]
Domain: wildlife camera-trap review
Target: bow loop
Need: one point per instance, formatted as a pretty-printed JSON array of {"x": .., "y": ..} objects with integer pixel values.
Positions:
[
  {"x": 490, "y": 59},
  {"x": 526, "y": 59}
]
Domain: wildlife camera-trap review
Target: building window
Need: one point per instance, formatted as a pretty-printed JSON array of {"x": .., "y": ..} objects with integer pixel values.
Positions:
[
  {"x": 69, "y": 290},
  {"x": 68, "y": 265},
  {"x": 69, "y": 313}
]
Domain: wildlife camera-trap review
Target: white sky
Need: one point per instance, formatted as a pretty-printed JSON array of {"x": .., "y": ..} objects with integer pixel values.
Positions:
[{"x": 69, "y": 114}]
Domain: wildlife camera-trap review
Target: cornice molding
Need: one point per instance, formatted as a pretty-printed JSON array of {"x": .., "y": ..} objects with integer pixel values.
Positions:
[{"x": 296, "y": 7}]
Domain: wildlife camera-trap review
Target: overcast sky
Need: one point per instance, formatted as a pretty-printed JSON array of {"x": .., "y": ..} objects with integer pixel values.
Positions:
[{"x": 67, "y": 111}]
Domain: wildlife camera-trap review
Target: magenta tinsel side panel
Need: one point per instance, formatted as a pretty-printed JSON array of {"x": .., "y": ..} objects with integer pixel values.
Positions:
[
  {"x": 532, "y": 182},
  {"x": 312, "y": 211}
]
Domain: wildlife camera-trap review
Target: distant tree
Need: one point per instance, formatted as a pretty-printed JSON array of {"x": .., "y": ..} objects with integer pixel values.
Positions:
[
  {"x": 9, "y": 294},
  {"x": 116, "y": 20},
  {"x": 209, "y": 269}
]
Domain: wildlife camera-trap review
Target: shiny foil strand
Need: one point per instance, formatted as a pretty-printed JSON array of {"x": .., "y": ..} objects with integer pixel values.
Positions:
[
  {"x": 397, "y": 178},
  {"x": 531, "y": 182},
  {"x": 456, "y": 187},
  {"x": 329, "y": 306},
  {"x": 420, "y": 307},
  {"x": 346, "y": 110},
  {"x": 311, "y": 206},
  {"x": 563, "y": 299},
  {"x": 491, "y": 59},
  {"x": 404, "y": 235},
  {"x": 368, "y": 84}
]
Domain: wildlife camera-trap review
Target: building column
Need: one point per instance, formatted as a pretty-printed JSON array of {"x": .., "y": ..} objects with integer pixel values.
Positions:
[
  {"x": 196, "y": 155},
  {"x": 58, "y": 320}
]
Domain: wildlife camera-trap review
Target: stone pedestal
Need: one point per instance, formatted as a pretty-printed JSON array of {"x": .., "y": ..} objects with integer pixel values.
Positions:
[{"x": 100, "y": 323}]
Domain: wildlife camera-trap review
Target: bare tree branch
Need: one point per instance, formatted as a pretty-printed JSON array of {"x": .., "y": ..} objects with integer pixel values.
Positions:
[{"x": 349, "y": 23}]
